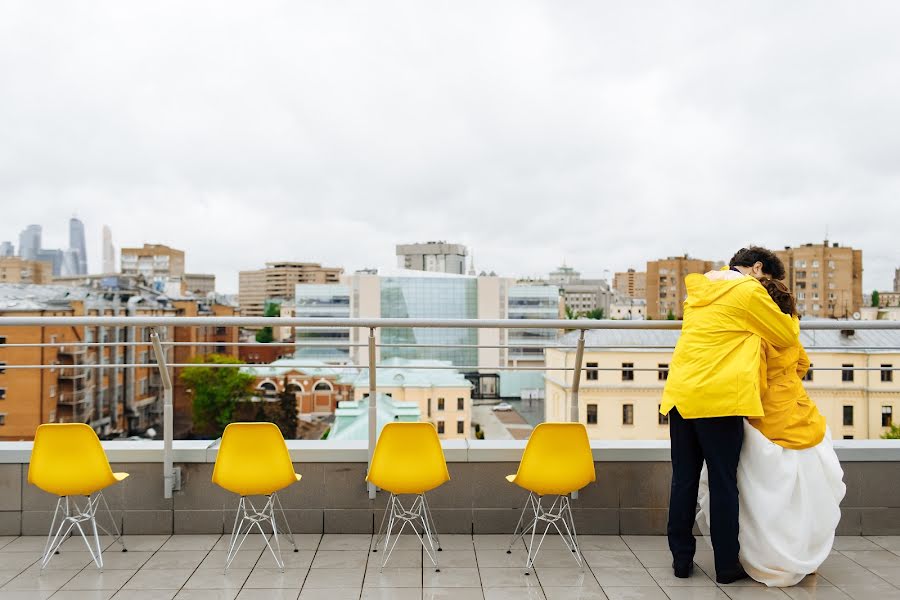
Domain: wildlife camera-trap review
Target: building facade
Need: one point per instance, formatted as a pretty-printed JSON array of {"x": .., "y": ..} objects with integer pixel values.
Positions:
[
  {"x": 666, "y": 291},
  {"x": 77, "y": 248},
  {"x": 322, "y": 301},
  {"x": 621, "y": 389},
  {"x": 156, "y": 263},
  {"x": 437, "y": 257},
  {"x": 278, "y": 281},
  {"x": 18, "y": 270},
  {"x": 318, "y": 388},
  {"x": 628, "y": 309},
  {"x": 109, "y": 252},
  {"x": 826, "y": 279},
  {"x": 199, "y": 284},
  {"x": 631, "y": 283}
]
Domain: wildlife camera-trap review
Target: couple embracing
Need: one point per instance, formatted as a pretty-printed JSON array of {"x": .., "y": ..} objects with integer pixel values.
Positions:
[{"x": 748, "y": 443}]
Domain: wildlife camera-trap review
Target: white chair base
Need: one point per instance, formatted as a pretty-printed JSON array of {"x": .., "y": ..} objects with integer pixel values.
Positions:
[
  {"x": 559, "y": 512},
  {"x": 419, "y": 518},
  {"x": 249, "y": 514},
  {"x": 68, "y": 516}
]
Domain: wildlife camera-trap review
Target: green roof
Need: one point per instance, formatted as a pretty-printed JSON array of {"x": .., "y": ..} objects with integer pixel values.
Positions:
[
  {"x": 309, "y": 366},
  {"x": 351, "y": 419},
  {"x": 399, "y": 372}
]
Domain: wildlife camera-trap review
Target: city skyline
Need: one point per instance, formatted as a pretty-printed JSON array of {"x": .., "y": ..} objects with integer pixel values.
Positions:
[{"x": 602, "y": 135}]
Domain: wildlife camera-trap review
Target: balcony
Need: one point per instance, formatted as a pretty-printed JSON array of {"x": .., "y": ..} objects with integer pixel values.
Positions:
[
  {"x": 73, "y": 397},
  {"x": 72, "y": 350},
  {"x": 72, "y": 373}
]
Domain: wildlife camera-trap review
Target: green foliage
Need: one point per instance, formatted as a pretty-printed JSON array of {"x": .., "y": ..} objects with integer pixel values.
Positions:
[
  {"x": 671, "y": 315},
  {"x": 265, "y": 335},
  {"x": 875, "y": 299},
  {"x": 570, "y": 314},
  {"x": 216, "y": 392},
  {"x": 893, "y": 434},
  {"x": 597, "y": 313}
]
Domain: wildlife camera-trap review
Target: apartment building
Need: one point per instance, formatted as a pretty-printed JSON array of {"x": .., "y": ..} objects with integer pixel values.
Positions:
[
  {"x": 631, "y": 283},
  {"x": 278, "y": 281},
  {"x": 581, "y": 296},
  {"x": 14, "y": 269},
  {"x": 156, "y": 263},
  {"x": 666, "y": 291},
  {"x": 621, "y": 390},
  {"x": 825, "y": 278}
]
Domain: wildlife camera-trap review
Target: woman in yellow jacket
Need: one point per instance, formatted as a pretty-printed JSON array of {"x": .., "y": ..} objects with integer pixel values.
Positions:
[{"x": 789, "y": 477}]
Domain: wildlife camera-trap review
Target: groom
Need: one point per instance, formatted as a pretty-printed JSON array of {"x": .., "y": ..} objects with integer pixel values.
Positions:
[{"x": 713, "y": 384}]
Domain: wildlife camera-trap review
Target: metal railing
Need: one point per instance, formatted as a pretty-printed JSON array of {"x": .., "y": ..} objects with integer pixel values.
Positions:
[{"x": 158, "y": 325}]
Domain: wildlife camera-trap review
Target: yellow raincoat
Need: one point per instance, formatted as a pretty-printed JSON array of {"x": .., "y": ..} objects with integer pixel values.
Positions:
[
  {"x": 715, "y": 370},
  {"x": 792, "y": 419}
]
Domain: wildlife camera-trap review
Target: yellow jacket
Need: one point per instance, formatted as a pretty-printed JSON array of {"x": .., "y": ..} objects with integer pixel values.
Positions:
[
  {"x": 716, "y": 365},
  {"x": 792, "y": 419}
]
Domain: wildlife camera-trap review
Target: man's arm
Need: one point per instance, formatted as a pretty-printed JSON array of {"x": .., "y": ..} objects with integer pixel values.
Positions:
[{"x": 766, "y": 320}]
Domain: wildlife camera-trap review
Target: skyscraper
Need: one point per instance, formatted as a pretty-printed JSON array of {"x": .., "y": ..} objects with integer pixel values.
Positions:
[
  {"x": 6, "y": 249},
  {"x": 109, "y": 251},
  {"x": 30, "y": 242},
  {"x": 77, "y": 246}
]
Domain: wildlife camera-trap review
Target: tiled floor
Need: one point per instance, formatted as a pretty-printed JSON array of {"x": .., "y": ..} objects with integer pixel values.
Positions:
[{"x": 339, "y": 567}]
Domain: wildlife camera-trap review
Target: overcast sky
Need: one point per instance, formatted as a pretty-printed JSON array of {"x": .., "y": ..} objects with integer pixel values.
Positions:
[{"x": 599, "y": 133}]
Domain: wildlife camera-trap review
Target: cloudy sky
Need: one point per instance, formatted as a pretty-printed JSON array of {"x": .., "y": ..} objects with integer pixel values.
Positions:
[{"x": 599, "y": 133}]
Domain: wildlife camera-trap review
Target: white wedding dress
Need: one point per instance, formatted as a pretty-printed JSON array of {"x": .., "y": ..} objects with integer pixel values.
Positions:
[{"x": 789, "y": 507}]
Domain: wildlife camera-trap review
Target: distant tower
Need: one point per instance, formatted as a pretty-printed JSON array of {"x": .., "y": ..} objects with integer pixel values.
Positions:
[
  {"x": 30, "y": 242},
  {"x": 109, "y": 251},
  {"x": 6, "y": 249},
  {"x": 472, "y": 264},
  {"x": 77, "y": 246}
]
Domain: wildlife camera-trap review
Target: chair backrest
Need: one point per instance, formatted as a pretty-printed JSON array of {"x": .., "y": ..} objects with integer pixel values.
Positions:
[
  {"x": 557, "y": 460},
  {"x": 408, "y": 459},
  {"x": 253, "y": 460},
  {"x": 68, "y": 460}
]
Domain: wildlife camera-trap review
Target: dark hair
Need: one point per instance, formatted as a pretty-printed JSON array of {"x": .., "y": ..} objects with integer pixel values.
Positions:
[
  {"x": 781, "y": 295},
  {"x": 747, "y": 257}
]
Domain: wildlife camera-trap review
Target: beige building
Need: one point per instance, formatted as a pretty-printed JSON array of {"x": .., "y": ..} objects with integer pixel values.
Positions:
[
  {"x": 631, "y": 283},
  {"x": 18, "y": 270},
  {"x": 826, "y": 279},
  {"x": 621, "y": 390},
  {"x": 666, "y": 291},
  {"x": 278, "y": 281},
  {"x": 199, "y": 284},
  {"x": 444, "y": 396},
  {"x": 156, "y": 263}
]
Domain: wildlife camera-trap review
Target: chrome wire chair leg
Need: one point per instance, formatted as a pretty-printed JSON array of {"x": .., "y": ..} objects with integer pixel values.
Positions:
[
  {"x": 117, "y": 536},
  {"x": 71, "y": 516},
  {"x": 416, "y": 516},
  {"x": 287, "y": 525},
  {"x": 249, "y": 514},
  {"x": 379, "y": 536},
  {"x": 520, "y": 533},
  {"x": 430, "y": 516},
  {"x": 559, "y": 512}
]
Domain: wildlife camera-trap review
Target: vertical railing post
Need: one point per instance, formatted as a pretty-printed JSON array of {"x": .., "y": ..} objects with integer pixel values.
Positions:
[
  {"x": 168, "y": 459},
  {"x": 576, "y": 382},
  {"x": 373, "y": 405}
]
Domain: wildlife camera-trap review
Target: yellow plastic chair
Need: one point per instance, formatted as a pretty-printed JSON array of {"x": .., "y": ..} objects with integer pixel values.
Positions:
[
  {"x": 557, "y": 462},
  {"x": 409, "y": 460},
  {"x": 253, "y": 460},
  {"x": 68, "y": 461}
]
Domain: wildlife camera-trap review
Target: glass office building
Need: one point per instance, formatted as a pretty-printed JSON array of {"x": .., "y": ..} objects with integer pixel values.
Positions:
[
  {"x": 430, "y": 298},
  {"x": 529, "y": 301},
  {"x": 314, "y": 301}
]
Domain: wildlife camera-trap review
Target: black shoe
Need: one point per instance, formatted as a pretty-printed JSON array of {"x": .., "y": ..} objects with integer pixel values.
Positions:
[
  {"x": 683, "y": 571},
  {"x": 731, "y": 576}
]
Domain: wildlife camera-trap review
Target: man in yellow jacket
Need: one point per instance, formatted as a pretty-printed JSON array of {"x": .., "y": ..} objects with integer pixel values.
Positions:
[{"x": 713, "y": 384}]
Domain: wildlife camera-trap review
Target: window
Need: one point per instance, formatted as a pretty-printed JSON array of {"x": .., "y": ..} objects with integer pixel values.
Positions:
[
  {"x": 591, "y": 414},
  {"x": 663, "y": 419},
  {"x": 848, "y": 437},
  {"x": 801, "y": 296},
  {"x": 53, "y": 391},
  {"x": 830, "y": 264},
  {"x": 2, "y": 370},
  {"x": 847, "y": 372},
  {"x": 887, "y": 416},
  {"x": 2, "y": 393},
  {"x": 2, "y": 339},
  {"x": 809, "y": 373},
  {"x": 429, "y": 408},
  {"x": 220, "y": 350},
  {"x": 440, "y": 404},
  {"x": 440, "y": 427},
  {"x": 663, "y": 372},
  {"x": 3, "y": 419},
  {"x": 592, "y": 371},
  {"x": 887, "y": 374},
  {"x": 627, "y": 371},
  {"x": 628, "y": 414},
  {"x": 848, "y": 416},
  {"x": 460, "y": 427},
  {"x": 815, "y": 264},
  {"x": 460, "y": 404}
]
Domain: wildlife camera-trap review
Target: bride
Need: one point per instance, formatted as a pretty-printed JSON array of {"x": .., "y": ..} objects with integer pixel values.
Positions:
[{"x": 789, "y": 478}]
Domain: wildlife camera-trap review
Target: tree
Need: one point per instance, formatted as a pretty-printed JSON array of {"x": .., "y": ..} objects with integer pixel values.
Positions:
[
  {"x": 287, "y": 419},
  {"x": 570, "y": 314},
  {"x": 597, "y": 313},
  {"x": 876, "y": 300},
  {"x": 671, "y": 315},
  {"x": 264, "y": 335},
  {"x": 893, "y": 434},
  {"x": 216, "y": 392}
]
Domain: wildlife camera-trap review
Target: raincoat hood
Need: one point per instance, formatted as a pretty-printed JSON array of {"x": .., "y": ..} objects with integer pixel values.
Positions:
[{"x": 702, "y": 291}]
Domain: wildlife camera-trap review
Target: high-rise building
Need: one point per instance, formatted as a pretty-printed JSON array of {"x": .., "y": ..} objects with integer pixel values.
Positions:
[
  {"x": 109, "y": 252},
  {"x": 7, "y": 249},
  {"x": 30, "y": 242},
  {"x": 897, "y": 280},
  {"x": 317, "y": 301},
  {"x": 666, "y": 291},
  {"x": 56, "y": 258},
  {"x": 156, "y": 263},
  {"x": 437, "y": 257},
  {"x": 826, "y": 279},
  {"x": 78, "y": 246},
  {"x": 631, "y": 283},
  {"x": 14, "y": 269},
  {"x": 278, "y": 281}
]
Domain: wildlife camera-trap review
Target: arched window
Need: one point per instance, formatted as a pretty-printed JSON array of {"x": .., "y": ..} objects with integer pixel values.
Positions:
[
  {"x": 323, "y": 386},
  {"x": 268, "y": 388}
]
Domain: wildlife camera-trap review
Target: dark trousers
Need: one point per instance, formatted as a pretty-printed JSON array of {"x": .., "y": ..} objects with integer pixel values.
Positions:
[{"x": 718, "y": 441}]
